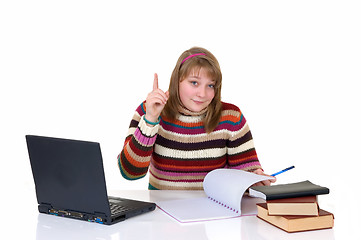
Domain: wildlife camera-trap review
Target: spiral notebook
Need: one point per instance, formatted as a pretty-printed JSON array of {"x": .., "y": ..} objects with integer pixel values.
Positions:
[{"x": 224, "y": 189}]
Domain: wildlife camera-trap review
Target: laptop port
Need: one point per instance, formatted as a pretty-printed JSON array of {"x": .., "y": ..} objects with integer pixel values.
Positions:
[
  {"x": 98, "y": 220},
  {"x": 76, "y": 214},
  {"x": 63, "y": 213},
  {"x": 53, "y": 212}
]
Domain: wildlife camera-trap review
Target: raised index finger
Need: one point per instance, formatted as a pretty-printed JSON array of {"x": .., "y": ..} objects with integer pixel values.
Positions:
[{"x": 155, "y": 83}]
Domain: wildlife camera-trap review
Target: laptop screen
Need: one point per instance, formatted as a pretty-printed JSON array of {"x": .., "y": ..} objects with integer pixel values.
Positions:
[{"x": 68, "y": 174}]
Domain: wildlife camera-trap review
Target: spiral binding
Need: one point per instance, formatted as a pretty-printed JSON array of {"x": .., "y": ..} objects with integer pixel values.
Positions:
[{"x": 224, "y": 205}]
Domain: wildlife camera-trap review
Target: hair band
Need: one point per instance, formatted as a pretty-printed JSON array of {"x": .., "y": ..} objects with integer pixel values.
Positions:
[{"x": 193, "y": 55}]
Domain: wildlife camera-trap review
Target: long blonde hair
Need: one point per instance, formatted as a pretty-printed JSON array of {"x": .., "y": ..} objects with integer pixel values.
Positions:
[{"x": 182, "y": 69}]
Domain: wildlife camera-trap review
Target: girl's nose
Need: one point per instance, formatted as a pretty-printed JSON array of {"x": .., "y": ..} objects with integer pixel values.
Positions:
[{"x": 201, "y": 92}]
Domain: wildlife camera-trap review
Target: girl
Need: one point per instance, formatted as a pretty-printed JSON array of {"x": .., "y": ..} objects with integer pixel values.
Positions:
[{"x": 182, "y": 134}]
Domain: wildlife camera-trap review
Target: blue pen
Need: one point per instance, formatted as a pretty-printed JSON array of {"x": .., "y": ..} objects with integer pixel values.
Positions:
[{"x": 284, "y": 170}]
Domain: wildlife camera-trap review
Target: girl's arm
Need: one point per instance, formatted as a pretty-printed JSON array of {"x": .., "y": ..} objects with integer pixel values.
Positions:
[
  {"x": 241, "y": 151},
  {"x": 240, "y": 147},
  {"x": 134, "y": 159}
]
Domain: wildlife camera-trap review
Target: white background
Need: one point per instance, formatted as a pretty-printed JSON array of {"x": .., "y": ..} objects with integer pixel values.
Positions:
[{"x": 78, "y": 69}]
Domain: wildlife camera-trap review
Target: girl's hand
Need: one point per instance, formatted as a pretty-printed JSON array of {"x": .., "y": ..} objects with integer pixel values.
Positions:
[
  {"x": 155, "y": 102},
  {"x": 265, "y": 182}
]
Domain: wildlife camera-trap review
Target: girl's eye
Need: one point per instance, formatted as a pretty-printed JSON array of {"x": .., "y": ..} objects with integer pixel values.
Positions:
[
  {"x": 211, "y": 85},
  {"x": 194, "y": 83}
]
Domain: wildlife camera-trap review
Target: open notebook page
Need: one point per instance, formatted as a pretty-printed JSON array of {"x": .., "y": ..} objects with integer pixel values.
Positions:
[{"x": 224, "y": 188}]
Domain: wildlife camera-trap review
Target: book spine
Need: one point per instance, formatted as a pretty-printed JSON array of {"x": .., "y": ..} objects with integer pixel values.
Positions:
[{"x": 296, "y": 194}]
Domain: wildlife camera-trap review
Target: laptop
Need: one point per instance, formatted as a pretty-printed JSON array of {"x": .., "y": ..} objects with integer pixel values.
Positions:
[{"x": 70, "y": 182}]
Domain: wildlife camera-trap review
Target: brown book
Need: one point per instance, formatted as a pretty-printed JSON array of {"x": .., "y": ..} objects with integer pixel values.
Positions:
[
  {"x": 293, "y": 206},
  {"x": 297, "y": 223}
]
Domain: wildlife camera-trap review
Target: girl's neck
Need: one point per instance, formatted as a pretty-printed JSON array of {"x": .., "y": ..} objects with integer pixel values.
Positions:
[{"x": 185, "y": 111}]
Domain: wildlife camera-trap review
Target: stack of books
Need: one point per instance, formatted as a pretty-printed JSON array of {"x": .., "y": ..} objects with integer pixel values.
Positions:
[{"x": 293, "y": 207}]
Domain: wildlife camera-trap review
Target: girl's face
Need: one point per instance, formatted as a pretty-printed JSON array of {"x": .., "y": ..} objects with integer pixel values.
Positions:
[{"x": 196, "y": 91}]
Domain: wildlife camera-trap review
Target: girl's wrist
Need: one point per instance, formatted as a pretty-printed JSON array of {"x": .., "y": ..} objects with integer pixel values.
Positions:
[{"x": 150, "y": 122}]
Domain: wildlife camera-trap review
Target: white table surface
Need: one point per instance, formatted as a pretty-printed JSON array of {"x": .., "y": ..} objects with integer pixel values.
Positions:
[{"x": 158, "y": 225}]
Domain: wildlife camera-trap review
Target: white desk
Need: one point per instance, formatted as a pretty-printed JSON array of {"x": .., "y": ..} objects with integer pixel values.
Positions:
[{"x": 157, "y": 225}]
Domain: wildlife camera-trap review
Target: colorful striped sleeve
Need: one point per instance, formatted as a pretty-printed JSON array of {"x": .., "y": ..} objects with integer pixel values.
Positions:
[
  {"x": 134, "y": 159},
  {"x": 240, "y": 146}
]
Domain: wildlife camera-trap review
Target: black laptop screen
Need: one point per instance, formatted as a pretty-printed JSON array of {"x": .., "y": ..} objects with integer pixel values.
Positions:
[{"x": 68, "y": 174}]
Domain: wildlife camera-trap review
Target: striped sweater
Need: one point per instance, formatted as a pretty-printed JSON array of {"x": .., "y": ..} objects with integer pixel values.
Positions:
[{"x": 178, "y": 154}]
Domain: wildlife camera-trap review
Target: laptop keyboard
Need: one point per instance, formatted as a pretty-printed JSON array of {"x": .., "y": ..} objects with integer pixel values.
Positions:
[{"x": 116, "y": 209}]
